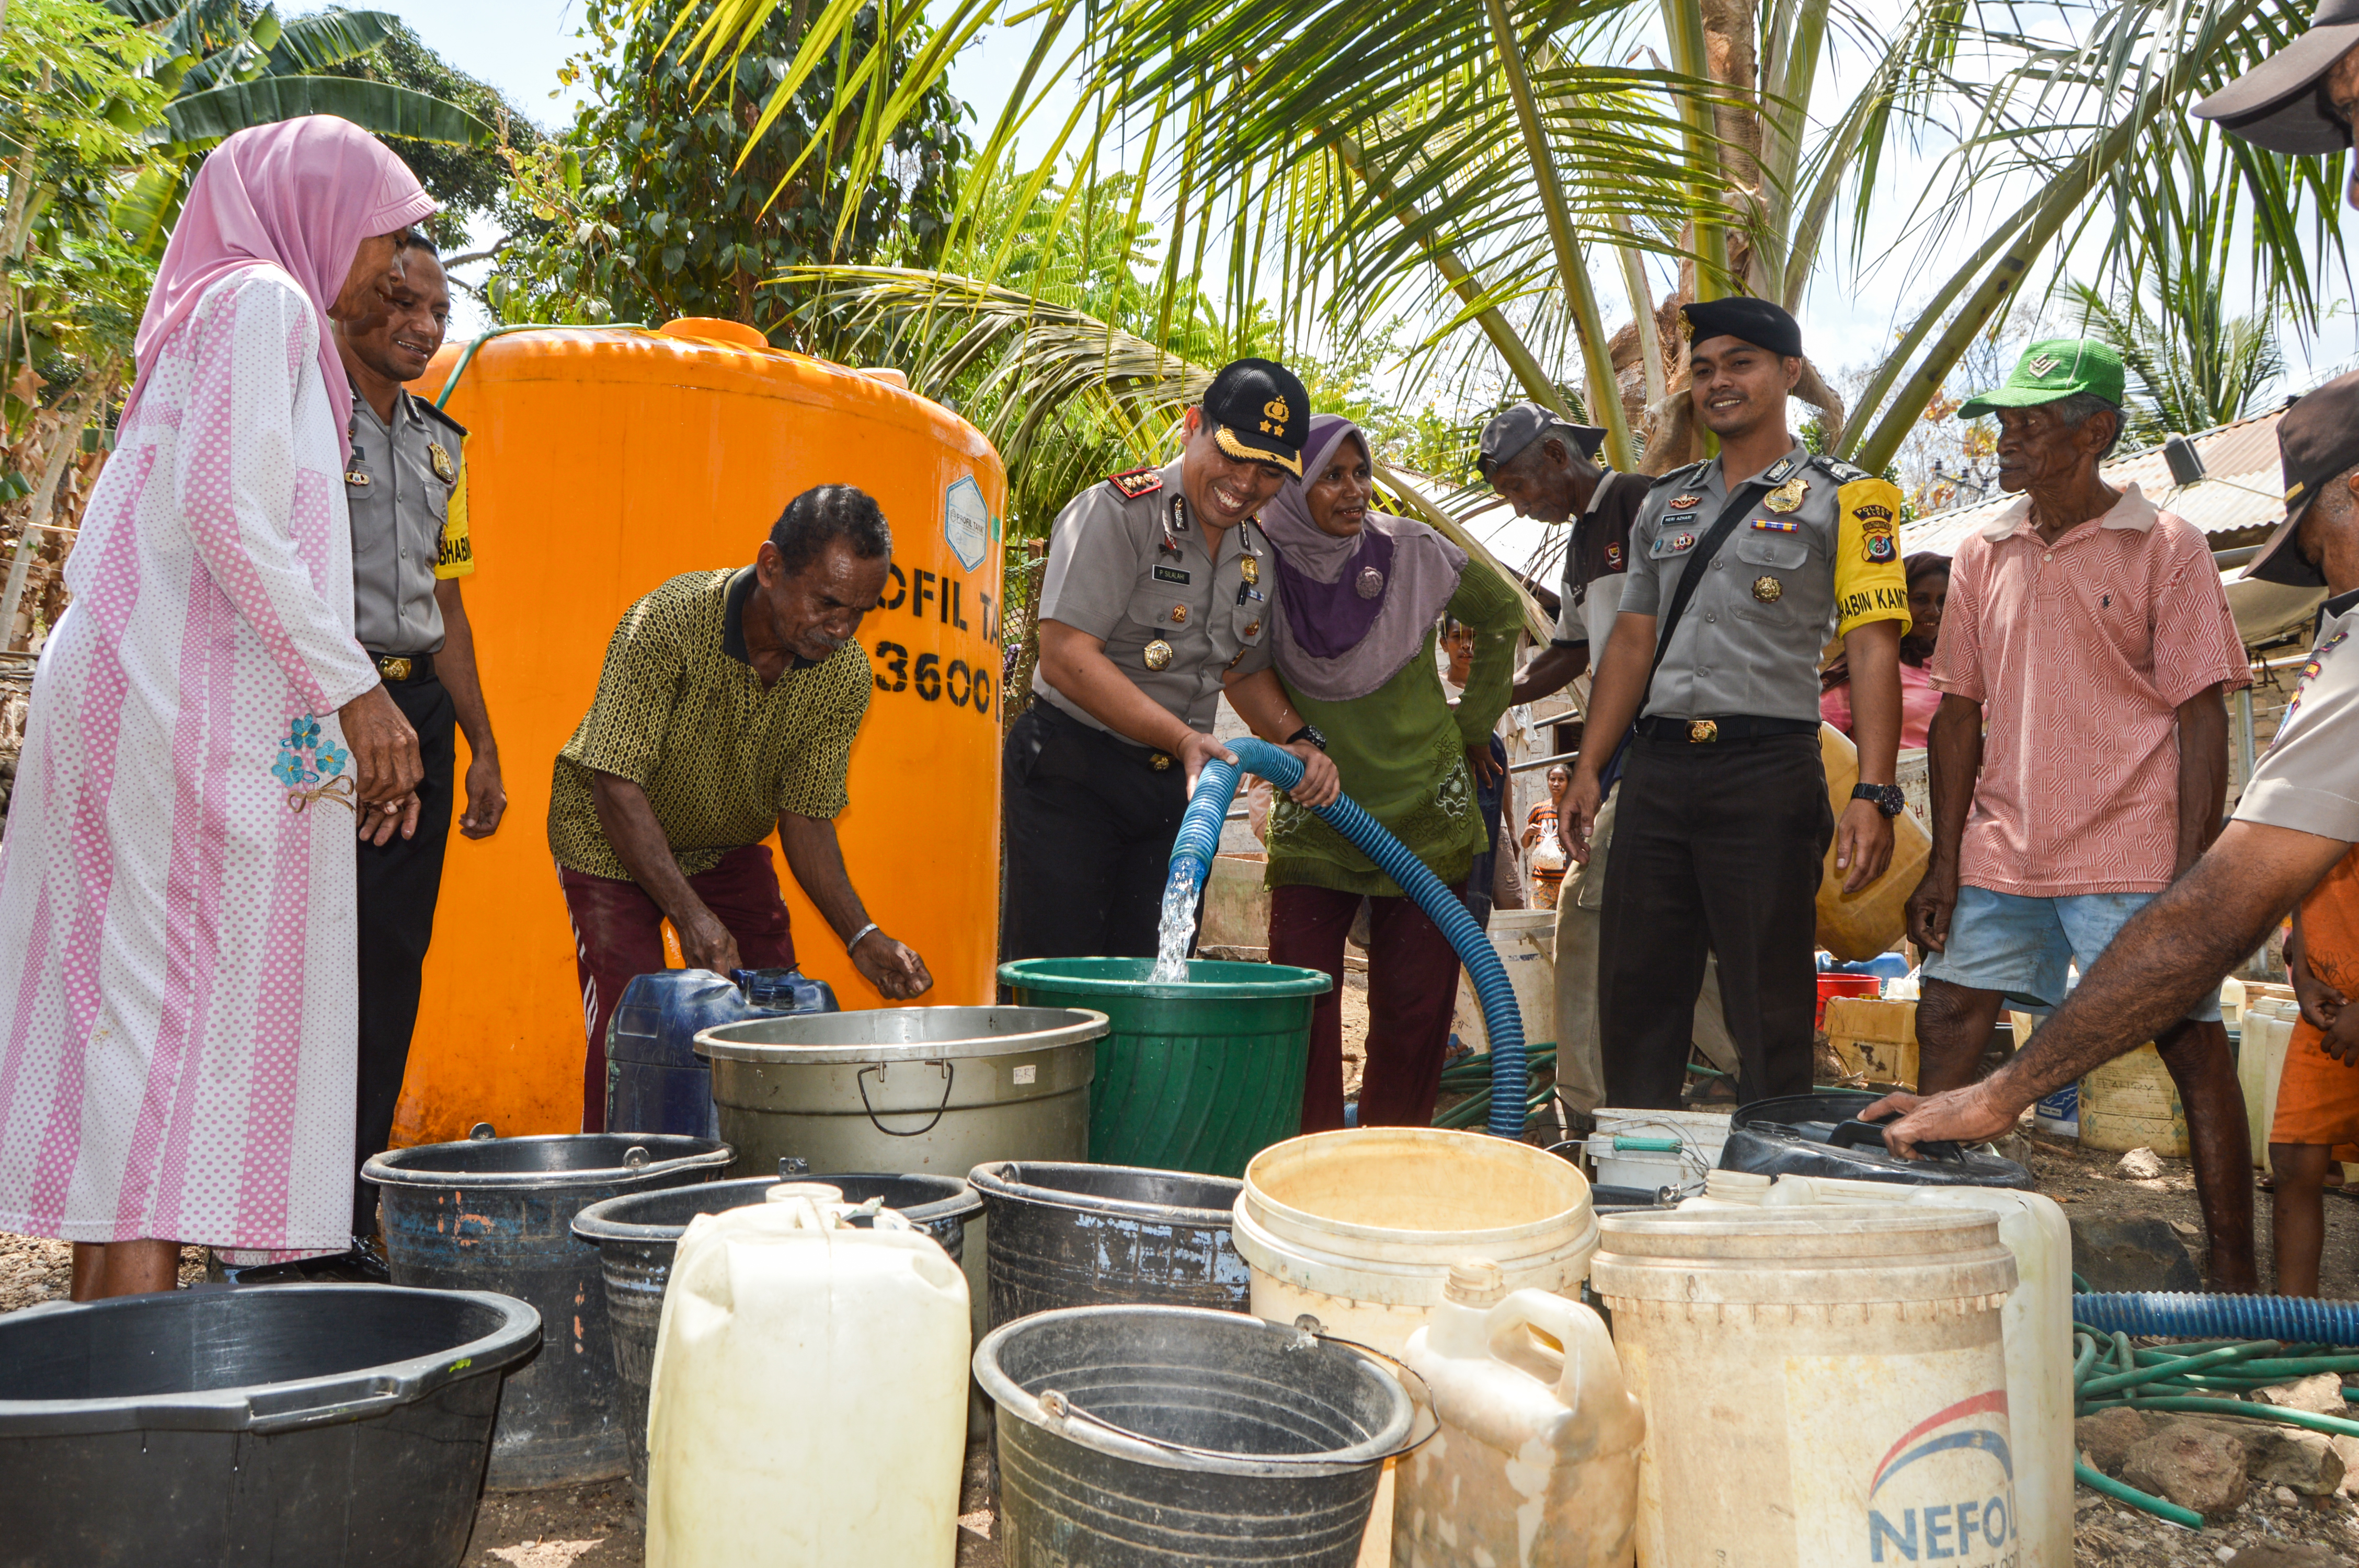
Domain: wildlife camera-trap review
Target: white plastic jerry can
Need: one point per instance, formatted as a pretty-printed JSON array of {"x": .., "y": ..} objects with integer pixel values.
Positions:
[
  {"x": 1536, "y": 1464},
  {"x": 808, "y": 1394}
]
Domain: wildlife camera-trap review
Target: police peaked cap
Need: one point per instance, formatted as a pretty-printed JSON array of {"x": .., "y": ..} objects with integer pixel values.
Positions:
[{"x": 1754, "y": 321}]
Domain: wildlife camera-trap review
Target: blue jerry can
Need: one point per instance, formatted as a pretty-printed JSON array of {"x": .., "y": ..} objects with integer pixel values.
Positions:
[{"x": 654, "y": 1080}]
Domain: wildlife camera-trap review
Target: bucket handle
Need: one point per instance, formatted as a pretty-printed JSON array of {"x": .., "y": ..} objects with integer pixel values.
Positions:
[
  {"x": 1059, "y": 1409},
  {"x": 949, "y": 1076},
  {"x": 341, "y": 1410},
  {"x": 482, "y": 1132}
]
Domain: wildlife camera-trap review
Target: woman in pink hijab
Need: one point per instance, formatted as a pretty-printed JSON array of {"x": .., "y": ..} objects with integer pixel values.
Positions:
[{"x": 177, "y": 940}]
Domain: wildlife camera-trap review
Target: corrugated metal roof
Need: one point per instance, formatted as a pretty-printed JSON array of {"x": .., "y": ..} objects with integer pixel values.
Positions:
[{"x": 2244, "y": 488}]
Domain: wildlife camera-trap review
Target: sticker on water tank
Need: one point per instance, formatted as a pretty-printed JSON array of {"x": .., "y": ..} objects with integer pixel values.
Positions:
[
  {"x": 1913, "y": 1472},
  {"x": 1028, "y": 1073},
  {"x": 966, "y": 522}
]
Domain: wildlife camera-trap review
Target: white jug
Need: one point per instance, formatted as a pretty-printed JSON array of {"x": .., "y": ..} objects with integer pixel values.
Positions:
[
  {"x": 1536, "y": 1464},
  {"x": 809, "y": 1396}
]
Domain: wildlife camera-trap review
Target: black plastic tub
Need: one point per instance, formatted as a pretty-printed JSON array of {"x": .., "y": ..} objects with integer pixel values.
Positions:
[
  {"x": 293, "y": 1425},
  {"x": 1820, "y": 1135},
  {"x": 638, "y": 1236},
  {"x": 1068, "y": 1235},
  {"x": 1159, "y": 1437},
  {"x": 496, "y": 1214}
]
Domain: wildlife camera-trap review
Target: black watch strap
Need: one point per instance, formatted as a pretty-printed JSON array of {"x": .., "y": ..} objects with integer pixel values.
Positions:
[
  {"x": 1309, "y": 733},
  {"x": 1887, "y": 798}
]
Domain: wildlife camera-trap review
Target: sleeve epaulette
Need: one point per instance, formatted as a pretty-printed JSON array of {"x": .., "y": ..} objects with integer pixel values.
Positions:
[
  {"x": 1135, "y": 482},
  {"x": 1842, "y": 472},
  {"x": 436, "y": 417},
  {"x": 1686, "y": 475}
]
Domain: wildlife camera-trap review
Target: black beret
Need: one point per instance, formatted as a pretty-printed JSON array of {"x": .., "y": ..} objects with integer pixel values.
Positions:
[{"x": 1754, "y": 321}]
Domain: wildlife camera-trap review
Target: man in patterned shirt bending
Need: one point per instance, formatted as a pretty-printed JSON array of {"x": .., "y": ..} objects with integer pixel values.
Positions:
[{"x": 727, "y": 706}]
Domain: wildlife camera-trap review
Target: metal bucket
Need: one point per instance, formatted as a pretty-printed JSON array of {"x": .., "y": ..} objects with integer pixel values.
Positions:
[
  {"x": 638, "y": 1235},
  {"x": 1066, "y": 1235},
  {"x": 496, "y": 1214},
  {"x": 299, "y": 1423},
  {"x": 1131, "y": 1436},
  {"x": 939, "y": 1089}
]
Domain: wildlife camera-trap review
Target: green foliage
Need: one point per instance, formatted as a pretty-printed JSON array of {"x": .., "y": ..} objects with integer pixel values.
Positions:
[{"x": 653, "y": 213}]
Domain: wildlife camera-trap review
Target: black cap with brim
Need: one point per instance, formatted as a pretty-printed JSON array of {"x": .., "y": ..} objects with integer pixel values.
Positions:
[
  {"x": 1508, "y": 433},
  {"x": 2318, "y": 443},
  {"x": 2279, "y": 103},
  {"x": 1259, "y": 412}
]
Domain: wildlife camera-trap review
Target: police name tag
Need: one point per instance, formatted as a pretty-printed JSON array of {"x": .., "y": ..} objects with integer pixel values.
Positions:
[
  {"x": 1668, "y": 545},
  {"x": 1171, "y": 574}
]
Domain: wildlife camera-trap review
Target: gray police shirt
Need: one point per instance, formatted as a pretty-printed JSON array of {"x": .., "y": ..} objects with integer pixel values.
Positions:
[
  {"x": 1813, "y": 557},
  {"x": 2309, "y": 778},
  {"x": 1128, "y": 565},
  {"x": 400, "y": 498}
]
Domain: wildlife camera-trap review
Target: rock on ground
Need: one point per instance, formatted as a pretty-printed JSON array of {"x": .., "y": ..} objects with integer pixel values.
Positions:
[
  {"x": 2192, "y": 1466},
  {"x": 2106, "y": 1438},
  {"x": 2118, "y": 1252},
  {"x": 2139, "y": 1165},
  {"x": 2288, "y": 1555}
]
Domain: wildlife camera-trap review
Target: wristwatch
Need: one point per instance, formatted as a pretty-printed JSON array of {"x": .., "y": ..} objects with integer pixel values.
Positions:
[
  {"x": 1309, "y": 733},
  {"x": 1887, "y": 798}
]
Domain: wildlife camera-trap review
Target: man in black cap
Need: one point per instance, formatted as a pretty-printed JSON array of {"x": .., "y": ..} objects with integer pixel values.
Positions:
[
  {"x": 2289, "y": 844},
  {"x": 1155, "y": 601},
  {"x": 1734, "y": 586},
  {"x": 2302, "y": 98}
]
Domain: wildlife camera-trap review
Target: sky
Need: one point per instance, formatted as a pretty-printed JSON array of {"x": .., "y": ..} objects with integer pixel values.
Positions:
[{"x": 518, "y": 45}]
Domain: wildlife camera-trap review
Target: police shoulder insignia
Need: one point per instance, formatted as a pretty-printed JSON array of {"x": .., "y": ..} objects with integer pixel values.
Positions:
[
  {"x": 1843, "y": 473},
  {"x": 1136, "y": 482}
]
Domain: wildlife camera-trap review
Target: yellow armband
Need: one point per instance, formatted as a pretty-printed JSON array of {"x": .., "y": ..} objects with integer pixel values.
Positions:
[
  {"x": 455, "y": 556},
  {"x": 1870, "y": 584}
]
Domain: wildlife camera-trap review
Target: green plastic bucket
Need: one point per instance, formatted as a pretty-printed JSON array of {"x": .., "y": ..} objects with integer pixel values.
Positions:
[{"x": 1199, "y": 1074}]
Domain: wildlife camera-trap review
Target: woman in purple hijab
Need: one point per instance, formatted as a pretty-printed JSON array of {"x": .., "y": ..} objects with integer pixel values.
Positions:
[{"x": 1360, "y": 597}]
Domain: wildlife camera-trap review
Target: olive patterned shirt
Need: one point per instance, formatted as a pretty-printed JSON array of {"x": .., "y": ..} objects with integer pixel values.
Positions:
[{"x": 681, "y": 713}]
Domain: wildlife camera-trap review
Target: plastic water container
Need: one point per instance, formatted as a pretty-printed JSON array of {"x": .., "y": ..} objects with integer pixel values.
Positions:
[
  {"x": 1627, "y": 1149},
  {"x": 1360, "y": 1227},
  {"x": 1536, "y": 1458},
  {"x": 2130, "y": 1102},
  {"x": 808, "y": 1400},
  {"x": 654, "y": 1080},
  {"x": 2261, "y": 1049},
  {"x": 1822, "y": 1385},
  {"x": 2036, "y": 1323},
  {"x": 1525, "y": 940}
]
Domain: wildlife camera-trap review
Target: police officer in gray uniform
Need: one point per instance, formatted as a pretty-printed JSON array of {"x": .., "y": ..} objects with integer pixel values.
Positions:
[
  {"x": 1724, "y": 818},
  {"x": 406, "y": 489},
  {"x": 1155, "y": 601}
]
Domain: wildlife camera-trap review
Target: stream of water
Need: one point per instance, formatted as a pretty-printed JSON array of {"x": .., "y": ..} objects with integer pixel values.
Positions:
[{"x": 1179, "y": 927}]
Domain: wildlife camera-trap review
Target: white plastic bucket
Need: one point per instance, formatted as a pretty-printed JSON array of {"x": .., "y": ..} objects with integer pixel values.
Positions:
[
  {"x": 1359, "y": 1228},
  {"x": 1823, "y": 1385},
  {"x": 2036, "y": 1325},
  {"x": 1702, "y": 1132},
  {"x": 1525, "y": 940}
]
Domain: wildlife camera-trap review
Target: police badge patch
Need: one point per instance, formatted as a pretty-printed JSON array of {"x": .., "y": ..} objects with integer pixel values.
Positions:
[
  {"x": 1881, "y": 546},
  {"x": 1136, "y": 482}
]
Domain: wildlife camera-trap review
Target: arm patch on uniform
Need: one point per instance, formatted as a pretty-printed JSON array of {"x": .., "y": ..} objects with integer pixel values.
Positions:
[
  {"x": 1869, "y": 584},
  {"x": 1136, "y": 482}
]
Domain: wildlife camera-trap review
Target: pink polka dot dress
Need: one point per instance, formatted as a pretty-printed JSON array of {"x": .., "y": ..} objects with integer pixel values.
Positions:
[{"x": 177, "y": 928}]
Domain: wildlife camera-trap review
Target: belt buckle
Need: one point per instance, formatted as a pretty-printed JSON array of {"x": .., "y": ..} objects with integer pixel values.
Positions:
[
  {"x": 1160, "y": 761},
  {"x": 394, "y": 668},
  {"x": 1702, "y": 730}
]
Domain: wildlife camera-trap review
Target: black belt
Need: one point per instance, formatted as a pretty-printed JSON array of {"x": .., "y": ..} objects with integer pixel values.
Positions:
[
  {"x": 399, "y": 669},
  {"x": 1057, "y": 717},
  {"x": 1722, "y": 729}
]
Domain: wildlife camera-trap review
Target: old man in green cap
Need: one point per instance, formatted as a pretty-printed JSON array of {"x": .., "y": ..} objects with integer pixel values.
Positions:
[{"x": 2080, "y": 756}]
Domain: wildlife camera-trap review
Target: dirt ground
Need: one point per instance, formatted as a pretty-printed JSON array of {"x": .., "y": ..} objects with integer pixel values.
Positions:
[{"x": 601, "y": 1526}]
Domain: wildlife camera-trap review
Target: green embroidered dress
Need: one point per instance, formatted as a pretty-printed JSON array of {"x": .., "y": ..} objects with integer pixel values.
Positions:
[{"x": 1401, "y": 752}]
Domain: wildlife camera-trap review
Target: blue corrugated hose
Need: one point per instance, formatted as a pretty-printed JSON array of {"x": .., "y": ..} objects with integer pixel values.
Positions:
[
  {"x": 1200, "y": 838},
  {"x": 2297, "y": 1320}
]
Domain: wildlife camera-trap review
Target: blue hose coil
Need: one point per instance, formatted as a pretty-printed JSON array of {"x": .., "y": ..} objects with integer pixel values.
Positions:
[
  {"x": 2177, "y": 1314},
  {"x": 1200, "y": 840}
]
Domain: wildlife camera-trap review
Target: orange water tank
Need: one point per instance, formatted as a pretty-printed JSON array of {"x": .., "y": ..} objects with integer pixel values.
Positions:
[{"x": 600, "y": 462}]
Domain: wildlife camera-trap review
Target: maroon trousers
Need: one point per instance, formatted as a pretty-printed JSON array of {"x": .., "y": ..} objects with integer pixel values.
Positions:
[
  {"x": 1412, "y": 990},
  {"x": 618, "y": 936}
]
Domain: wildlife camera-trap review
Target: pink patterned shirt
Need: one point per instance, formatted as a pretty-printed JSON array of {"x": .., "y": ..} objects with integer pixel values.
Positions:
[{"x": 2081, "y": 653}]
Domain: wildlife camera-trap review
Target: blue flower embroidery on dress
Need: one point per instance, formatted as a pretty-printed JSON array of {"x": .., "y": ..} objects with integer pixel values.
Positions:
[{"x": 312, "y": 767}]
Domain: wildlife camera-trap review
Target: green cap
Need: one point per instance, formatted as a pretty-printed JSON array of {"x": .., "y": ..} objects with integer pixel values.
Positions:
[{"x": 2056, "y": 368}]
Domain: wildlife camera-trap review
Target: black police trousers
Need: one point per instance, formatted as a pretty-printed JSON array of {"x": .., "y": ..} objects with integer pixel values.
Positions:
[
  {"x": 1088, "y": 828},
  {"x": 1717, "y": 848},
  {"x": 398, "y": 883}
]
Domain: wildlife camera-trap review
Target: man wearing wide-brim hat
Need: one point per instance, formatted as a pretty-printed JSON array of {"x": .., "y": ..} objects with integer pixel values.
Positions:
[{"x": 2080, "y": 754}]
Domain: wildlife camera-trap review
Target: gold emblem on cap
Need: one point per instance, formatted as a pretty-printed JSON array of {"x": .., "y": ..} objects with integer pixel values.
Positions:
[
  {"x": 1250, "y": 568},
  {"x": 1768, "y": 589},
  {"x": 1787, "y": 496},
  {"x": 1179, "y": 615},
  {"x": 444, "y": 469},
  {"x": 1276, "y": 408},
  {"x": 1157, "y": 654},
  {"x": 2041, "y": 366}
]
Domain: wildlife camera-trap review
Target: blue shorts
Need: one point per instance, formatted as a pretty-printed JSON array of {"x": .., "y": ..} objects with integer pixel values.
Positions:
[{"x": 2023, "y": 947}]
